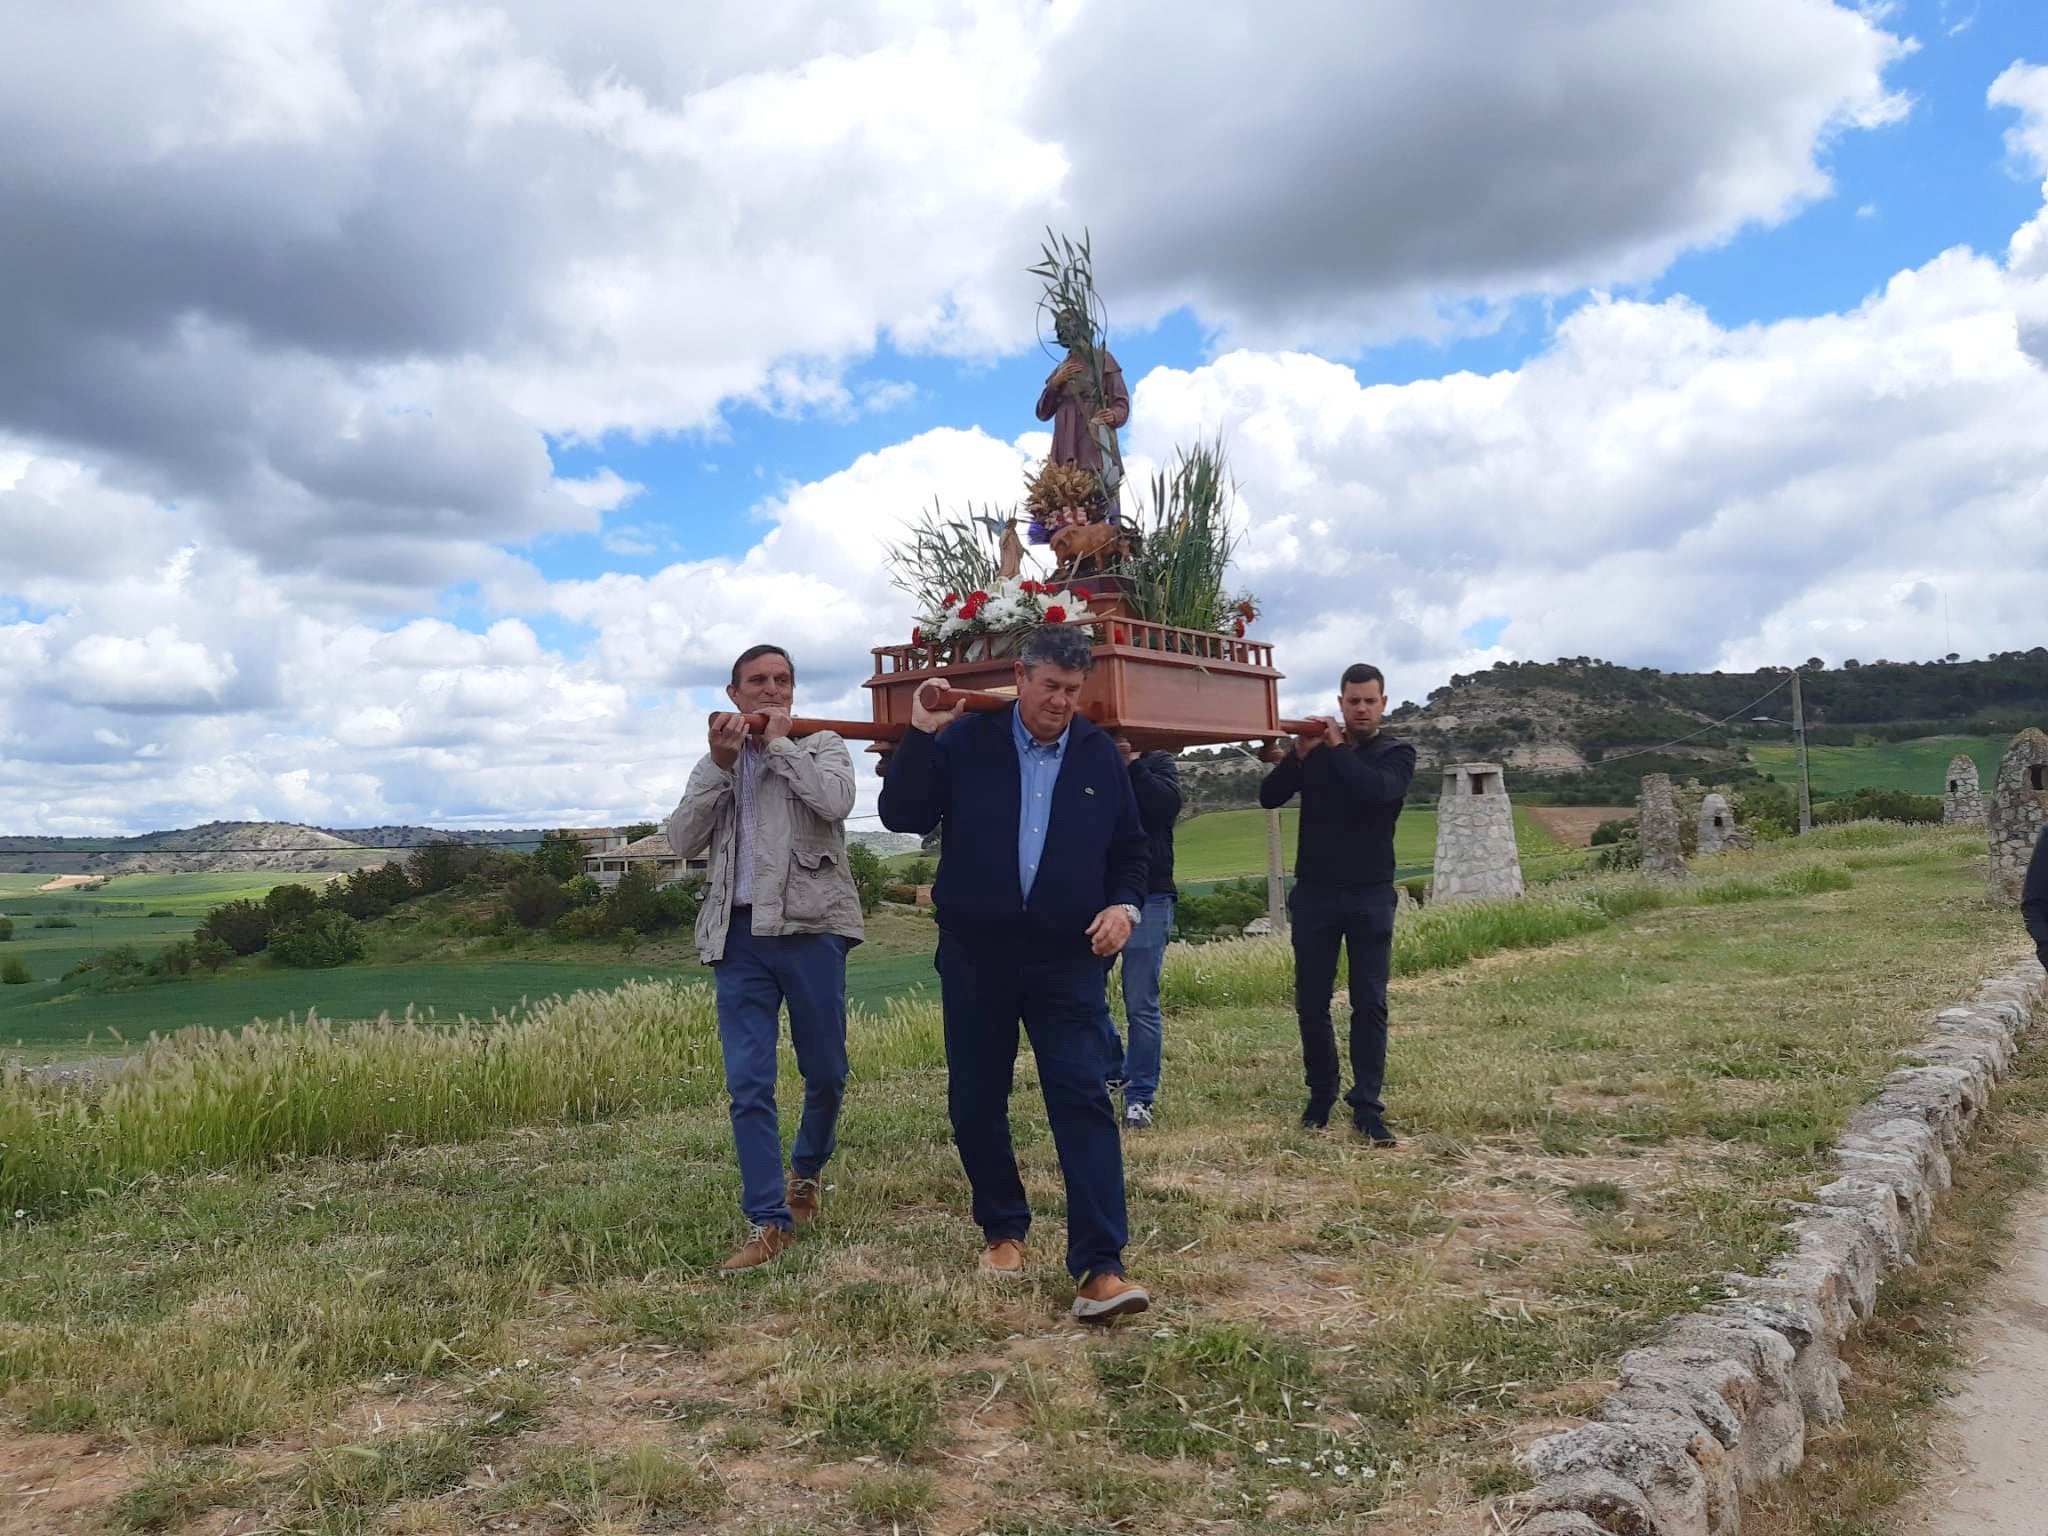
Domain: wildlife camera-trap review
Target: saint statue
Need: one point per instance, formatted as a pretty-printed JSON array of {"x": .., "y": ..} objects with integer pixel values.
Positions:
[{"x": 1085, "y": 410}]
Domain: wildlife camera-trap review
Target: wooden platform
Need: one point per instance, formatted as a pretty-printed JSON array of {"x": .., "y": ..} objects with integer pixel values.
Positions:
[{"x": 1163, "y": 688}]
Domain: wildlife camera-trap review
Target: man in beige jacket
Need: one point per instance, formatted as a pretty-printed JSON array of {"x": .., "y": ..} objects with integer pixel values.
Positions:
[{"x": 779, "y": 915}]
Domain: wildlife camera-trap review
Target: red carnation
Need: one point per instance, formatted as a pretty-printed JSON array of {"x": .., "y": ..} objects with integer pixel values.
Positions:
[
  {"x": 970, "y": 608},
  {"x": 916, "y": 635},
  {"x": 950, "y": 599},
  {"x": 1030, "y": 586},
  {"x": 1055, "y": 614},
  {"x": 1117, "y": 635},
  {"x": 1239, "y": 627}
]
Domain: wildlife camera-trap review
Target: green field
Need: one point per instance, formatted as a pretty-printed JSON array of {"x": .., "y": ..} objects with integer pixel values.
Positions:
[
  {"x": 1918, "y": 767},
  {"x": 1226, "y": 844}
]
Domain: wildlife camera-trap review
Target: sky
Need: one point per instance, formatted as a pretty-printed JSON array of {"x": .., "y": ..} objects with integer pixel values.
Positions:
[{"x": 408, "y": 410}]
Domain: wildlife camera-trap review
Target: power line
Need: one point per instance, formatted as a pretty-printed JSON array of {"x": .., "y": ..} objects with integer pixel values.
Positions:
[{"x": 1621, "y": 757}]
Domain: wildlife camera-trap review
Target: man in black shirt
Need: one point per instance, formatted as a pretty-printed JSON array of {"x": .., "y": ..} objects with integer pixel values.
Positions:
[
  {"x": 2034, "y": 897},
  {"x": 1351, "y": 780}
]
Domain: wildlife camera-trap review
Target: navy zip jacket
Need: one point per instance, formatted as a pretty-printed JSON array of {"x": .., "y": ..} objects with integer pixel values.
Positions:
[
  {"x": 965, "y": 780},
  {"x": 2034, "y": 897}
]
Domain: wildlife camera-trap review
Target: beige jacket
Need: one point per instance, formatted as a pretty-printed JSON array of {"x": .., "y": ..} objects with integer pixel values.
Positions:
[{"x": 801, "y": 880}]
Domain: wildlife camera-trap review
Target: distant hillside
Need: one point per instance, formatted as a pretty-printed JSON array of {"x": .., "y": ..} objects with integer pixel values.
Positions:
[
  {"x": 1583, "y": 731},
  {"x": 219, "y": 846},
  {"x": 1572, "y": 715}
]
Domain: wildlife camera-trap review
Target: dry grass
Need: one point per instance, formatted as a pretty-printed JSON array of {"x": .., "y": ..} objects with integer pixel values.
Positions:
[{"x": 1596, "y": 1130}]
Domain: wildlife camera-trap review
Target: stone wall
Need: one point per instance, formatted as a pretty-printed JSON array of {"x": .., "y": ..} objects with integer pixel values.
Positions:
[
  {"x": 1657, "y": 827},
  {"x": 2018, "y": 811},
  {"x": 1717, "y": 825},
  {"x": 1963, "y": 803},
  {"x": 1475, "y": 836},
  {"x": 1720, "y": 1402}
]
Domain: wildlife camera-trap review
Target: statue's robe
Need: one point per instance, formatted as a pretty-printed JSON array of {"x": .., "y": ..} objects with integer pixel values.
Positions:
[{"x": 1071, "y": 407}]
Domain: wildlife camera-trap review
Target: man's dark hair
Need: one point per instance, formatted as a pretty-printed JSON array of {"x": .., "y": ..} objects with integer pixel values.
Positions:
[
  {"x": 1361, "y": 672},
  {"x": 1058, "y": 645},
  {"x": 755, "y": 653}
]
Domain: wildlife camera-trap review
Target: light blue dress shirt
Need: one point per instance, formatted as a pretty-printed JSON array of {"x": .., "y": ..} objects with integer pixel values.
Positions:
[{"x": 1038, "y": 769}]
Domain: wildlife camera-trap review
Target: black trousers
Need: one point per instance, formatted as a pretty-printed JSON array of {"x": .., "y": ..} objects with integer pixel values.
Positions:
[{"x": 1360, "y": 920}]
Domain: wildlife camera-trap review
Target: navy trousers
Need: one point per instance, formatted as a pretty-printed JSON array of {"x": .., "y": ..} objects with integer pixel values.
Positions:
[
  {"x": 1360, "y": 919},
  {"x": 1059, "y": 998}
]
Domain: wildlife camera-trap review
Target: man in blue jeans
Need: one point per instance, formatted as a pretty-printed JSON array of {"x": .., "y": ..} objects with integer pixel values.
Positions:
[
  {"x": 1155, "y": 784},
  {"x": 780, "y": 912}
]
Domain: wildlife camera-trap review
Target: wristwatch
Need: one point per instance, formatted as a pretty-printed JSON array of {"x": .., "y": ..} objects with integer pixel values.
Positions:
[{"x": 1135, "y": 914}]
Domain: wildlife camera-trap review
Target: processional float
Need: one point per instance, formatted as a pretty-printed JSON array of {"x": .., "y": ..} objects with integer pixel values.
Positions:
[{"x": 1144, "y": 579}]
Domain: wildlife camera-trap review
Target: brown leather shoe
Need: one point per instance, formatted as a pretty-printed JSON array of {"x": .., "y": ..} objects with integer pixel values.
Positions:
[
  {"x": 762, "y": 1244},
  {"x": 1105, "y": 1298},
  {"x": 1004, "y": 1259},
  {"x": 803, "y": 1198}
]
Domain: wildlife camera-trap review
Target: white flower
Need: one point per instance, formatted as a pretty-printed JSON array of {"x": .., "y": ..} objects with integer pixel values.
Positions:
[
  {"x": 23, "y": 1215},
  {"x": 1367, "y": 1472},
  {"x": 1342, "y": 1470},
  {"x": 1257, "y": 1445}
]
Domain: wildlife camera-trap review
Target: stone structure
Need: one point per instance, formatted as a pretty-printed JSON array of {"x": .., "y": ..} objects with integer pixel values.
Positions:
[
  {"x": 1657, "y": 827},
  {"x": 1720, "y": 1402},
  {"x": 1717, "y": 826},
  {"x": 1475, "y": 836},
  {"x": 2018, "y": 811},
  {"x": 1963, "y": 805}
]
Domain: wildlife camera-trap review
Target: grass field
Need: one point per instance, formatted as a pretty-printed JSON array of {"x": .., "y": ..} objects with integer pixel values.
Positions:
[
  {"x": 1918, "y": 767},
  {"x": 1225, "y": 844},
  {"x": 525, "y": 1328}
]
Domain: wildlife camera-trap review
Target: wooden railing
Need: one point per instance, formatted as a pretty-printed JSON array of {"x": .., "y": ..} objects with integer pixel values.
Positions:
[{"x": 1115, "y": 635}]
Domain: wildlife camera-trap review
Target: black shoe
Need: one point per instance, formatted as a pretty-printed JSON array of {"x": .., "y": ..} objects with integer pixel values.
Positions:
[
  {"x": 1374, "y": 1130},
  {"x": 1317, "y": 1116}
]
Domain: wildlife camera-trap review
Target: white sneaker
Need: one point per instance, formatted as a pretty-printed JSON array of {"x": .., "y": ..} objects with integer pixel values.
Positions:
[{"x": 1137, "y": 1117}]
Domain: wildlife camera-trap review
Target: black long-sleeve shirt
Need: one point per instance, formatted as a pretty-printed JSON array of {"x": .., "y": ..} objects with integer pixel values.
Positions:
[
  {"x": 1155, "y": 781},
  {"x": 1350, "y": 799},
  {"x": 2034, "y": 897}
]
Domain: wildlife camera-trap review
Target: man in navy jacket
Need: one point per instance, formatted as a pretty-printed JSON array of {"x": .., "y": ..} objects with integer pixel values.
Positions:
[{"x": 1042, "y": 870}]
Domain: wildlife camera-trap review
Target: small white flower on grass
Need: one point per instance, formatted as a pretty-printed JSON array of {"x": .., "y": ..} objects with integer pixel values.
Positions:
[
  {"x": 1342, "y": 1470},
  {"x": 1257, "y": 1445},
  {"x": 521, "y": 1363},
  {"x": 23, "y": 1216},
  {"x": 1367, "y": 1472}
]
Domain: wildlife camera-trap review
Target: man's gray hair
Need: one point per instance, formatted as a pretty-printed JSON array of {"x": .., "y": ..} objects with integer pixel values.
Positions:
[{"x": 1058, "y": 645}]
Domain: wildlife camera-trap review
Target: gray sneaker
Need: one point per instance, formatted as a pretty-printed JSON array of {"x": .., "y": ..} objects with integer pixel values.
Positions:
[{"x": 1137, "y": 1117}]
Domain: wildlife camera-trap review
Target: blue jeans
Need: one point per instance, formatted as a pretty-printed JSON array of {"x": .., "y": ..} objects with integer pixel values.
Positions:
[
  {"x": 987, "y": 990},
  {"x": 1144, "y": 959},
  {"x": 757, "y": 975}
]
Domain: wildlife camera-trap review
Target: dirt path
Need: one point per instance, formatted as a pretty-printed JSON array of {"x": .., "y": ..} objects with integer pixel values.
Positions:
[
  {"x": 71, "y": 882},
  {"x": 1573, "y": 825},
  {"x": 1991, "y": 1467}
]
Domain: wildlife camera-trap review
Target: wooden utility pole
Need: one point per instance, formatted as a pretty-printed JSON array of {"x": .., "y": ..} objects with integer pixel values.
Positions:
[
  {"x": 1276, "y": 874},
  {"x": 1799, "y": 737}
]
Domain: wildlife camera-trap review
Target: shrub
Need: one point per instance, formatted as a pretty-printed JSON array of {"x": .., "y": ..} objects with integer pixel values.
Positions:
[
  {"x": 56, "y": 922},
  {"x": 244, "y": 926},
  {"x": 1226, "y": 909},
  {"x": 210, "y": 953},
  {"x": 289, "y": 903},
  {"x": 681, "y": 902},
  {"x": 904, "y": 894},
  {"x": 559, "y": 856},
  {"x": 176, "y": 959},
  {"x": 6, "y": 929},
  {"x": 581, "y": 923},
  {"x": 583, "y": 891},
  {"x": 869, "y": 877},
  {"x": 319, "y": 942},
  {"x": 14, "y": 973},
  {"x": 636, "y": 900},
  {"x": 535, "y": 899},
  {"x": 1868, "y": 804},
  {"x": 920, "y": 872},
  {"x": 1609, "y": 831},
  {"x": 369, "y": 893}
]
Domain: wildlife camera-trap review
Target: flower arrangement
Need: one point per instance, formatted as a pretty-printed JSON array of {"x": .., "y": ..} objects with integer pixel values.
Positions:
[{"x": 1003, "y": 607}]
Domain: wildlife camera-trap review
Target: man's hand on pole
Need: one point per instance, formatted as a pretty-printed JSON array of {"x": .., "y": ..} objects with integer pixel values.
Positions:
[
  {"x": 923, "y": 717},
  {"x": 777, "y": 726},
  {"x": 1110, "y": 931},
  {"x": 1332, "y": 735},
  {"x": 728, "y": 736}
]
